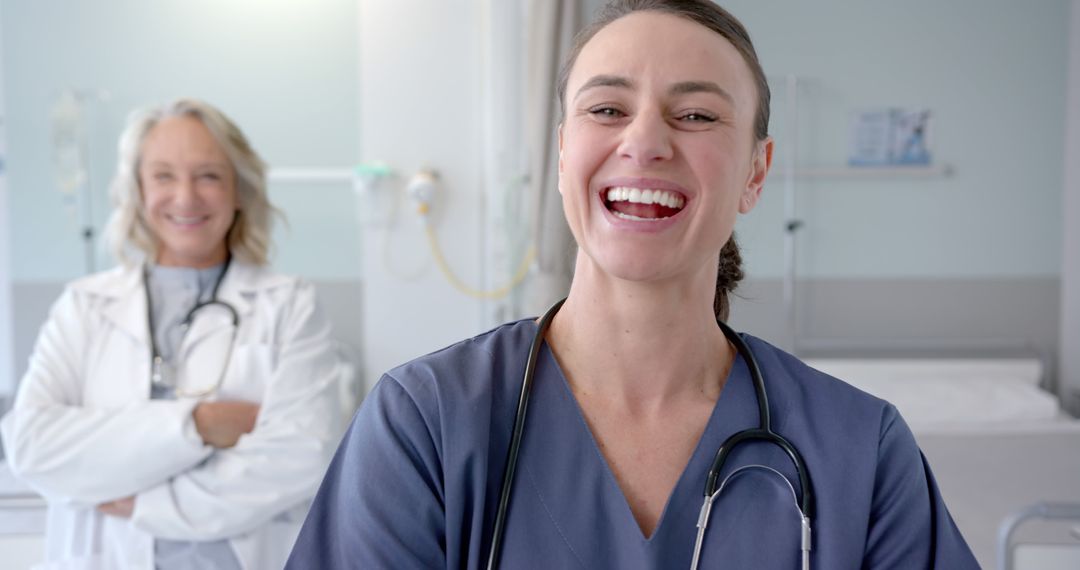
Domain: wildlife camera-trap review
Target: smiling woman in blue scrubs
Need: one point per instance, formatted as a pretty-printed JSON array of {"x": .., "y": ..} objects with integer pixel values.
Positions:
[{"x": 663, "y": 142}]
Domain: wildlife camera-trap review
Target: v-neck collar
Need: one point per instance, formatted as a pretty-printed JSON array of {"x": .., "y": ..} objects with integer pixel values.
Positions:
[{"x": 565, "y": 466}]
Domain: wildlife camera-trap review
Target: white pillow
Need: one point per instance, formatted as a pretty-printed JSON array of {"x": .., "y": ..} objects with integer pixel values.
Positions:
[{"x": 950, "y": 392}]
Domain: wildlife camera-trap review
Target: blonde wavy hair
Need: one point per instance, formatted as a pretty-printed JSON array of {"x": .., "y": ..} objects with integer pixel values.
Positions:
[{"x": 129, "y": 236}]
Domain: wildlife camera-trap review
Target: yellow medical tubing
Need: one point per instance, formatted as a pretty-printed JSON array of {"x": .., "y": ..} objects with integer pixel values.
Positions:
[{"x": 436, "y": 252}]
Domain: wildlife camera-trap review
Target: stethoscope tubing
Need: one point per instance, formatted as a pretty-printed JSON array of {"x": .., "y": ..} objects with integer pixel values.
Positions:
[
  {"x": 515, "y": 438},
  {"x": 156, "y": 361},
  {"x": 764, "y": 432},
  {"x": 706, "y": 510}
]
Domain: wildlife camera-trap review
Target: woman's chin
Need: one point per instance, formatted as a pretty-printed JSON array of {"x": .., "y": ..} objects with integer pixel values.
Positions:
[
  {"x": 193, "y": 257},
  {"x": 628, "y": 266}
]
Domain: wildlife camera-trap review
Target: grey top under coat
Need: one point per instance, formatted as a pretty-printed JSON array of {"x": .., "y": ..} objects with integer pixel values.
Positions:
[{"x": 173, "y": 292}]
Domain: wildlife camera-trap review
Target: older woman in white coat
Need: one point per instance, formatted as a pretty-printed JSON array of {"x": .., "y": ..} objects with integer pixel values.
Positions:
[{"x": 179, "y": 410}]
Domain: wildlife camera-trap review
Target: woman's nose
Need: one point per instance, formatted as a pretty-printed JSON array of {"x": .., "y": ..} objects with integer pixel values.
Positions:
[
  {"x": 647, "y": 139},
  {"x": 185, "y": 192}
]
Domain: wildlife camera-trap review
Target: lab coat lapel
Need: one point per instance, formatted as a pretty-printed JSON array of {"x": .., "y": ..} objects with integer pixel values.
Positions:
[
  {"x": 126, "y": 308},
  {"x": 240, "y": 287}
]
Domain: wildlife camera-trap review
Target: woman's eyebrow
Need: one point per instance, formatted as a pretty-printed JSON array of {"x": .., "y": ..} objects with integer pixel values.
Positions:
[
  {"x": 212, "y": 164},
  {"x": 605, "y": 81},
  {"x": 685, "y": 87},
  {"x": 680, "y": 88},
  {"x": 198, "y": 164}
]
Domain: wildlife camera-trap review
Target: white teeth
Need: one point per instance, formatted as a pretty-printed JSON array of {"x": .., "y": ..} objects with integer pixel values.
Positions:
[
  {"x": 646, "y": 196},
  {"x": 637, "y": 219},
  {"x": 186, "y": 220}
]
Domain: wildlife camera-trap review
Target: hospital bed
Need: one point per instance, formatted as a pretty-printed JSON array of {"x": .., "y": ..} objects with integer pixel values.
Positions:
[{"x": 997, "y": 443}]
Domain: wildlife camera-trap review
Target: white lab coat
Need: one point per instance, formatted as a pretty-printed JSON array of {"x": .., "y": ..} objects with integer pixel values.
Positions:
[{"x": 84, "y": 431}]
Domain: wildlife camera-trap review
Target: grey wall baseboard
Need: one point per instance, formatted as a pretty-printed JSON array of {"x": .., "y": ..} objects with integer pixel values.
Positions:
[
  {"x": 912, "y": 317},
  {"x": 30, "y": 302},
  {"x": 837, "y": 317}
]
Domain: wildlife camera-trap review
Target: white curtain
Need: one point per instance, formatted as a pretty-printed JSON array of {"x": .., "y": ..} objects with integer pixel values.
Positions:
[{"x": 552, "y": 25}]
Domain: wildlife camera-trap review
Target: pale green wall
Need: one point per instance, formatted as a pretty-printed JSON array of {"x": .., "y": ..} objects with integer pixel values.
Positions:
[
  {"x": 992, "y": 71},
  {"x": 285, "y": 71},
  {"x": 994, "y": 74}
]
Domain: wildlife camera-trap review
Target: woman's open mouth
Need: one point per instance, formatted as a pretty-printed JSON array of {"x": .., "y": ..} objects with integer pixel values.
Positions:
[{"x": 643, "y": 205}]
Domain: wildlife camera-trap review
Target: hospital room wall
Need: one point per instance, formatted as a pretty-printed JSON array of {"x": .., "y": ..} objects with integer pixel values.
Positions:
[
  {"x": 897, "y": 261},
  {"x": 412, "y": 100},
  {"x": 1070, "y": 274},
  {"x": 7, "y": 330},
  {"x": 325, "y": 84},
  {"x": 285, "y": 71},
  {"x": 414, "y": 92},
  {"x": 992, "y": 74},
  {"x": 962, "y": 263},
  {"x": 972, "y": 260},
  {"x": 421, "y": 104}
]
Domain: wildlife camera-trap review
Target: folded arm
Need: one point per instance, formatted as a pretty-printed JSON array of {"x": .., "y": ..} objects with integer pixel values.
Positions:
[
  {"x": 90, "y": 455},
  {"x": 280, "y": 463}
]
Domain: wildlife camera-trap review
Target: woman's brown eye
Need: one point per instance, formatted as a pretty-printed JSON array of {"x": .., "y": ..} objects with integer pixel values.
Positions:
[
  {"x": 606, "y": 112},
  {"x": 698, "y": 118}
]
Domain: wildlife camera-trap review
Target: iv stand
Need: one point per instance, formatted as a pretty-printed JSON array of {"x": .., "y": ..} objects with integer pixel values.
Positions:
[{"x": 791, "y": 223}]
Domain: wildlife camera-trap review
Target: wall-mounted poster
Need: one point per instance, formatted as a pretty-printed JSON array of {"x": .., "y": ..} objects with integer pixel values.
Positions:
[{"x": 890, "y": 137}]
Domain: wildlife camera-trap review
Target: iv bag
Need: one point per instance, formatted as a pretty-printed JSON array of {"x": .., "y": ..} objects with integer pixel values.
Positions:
[{"x": 69, "y": 156}]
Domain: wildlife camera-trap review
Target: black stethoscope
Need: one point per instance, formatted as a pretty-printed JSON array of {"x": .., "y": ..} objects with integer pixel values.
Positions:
[
  {"x": 713, "y": 485},
  {"x": 158, "y": 375}
]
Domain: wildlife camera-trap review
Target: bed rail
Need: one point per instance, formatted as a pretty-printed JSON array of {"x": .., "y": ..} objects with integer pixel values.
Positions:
[{"x": 1044, "y": 511}]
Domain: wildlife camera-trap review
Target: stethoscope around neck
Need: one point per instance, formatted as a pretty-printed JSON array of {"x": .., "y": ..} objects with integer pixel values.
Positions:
[
  {"x": 158, "y": 375},
  {"x": 714, "y": 486}
]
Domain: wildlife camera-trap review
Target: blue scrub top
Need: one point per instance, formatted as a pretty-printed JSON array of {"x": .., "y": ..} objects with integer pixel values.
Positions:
[{"x": 416, "y": 480}]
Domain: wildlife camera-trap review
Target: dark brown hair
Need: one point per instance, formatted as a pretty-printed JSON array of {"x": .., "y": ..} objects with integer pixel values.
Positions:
[{"x": 715, "y": 18}]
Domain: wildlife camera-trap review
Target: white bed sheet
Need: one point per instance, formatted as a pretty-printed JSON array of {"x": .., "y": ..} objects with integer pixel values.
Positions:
[{"x": 950, "y": 393}]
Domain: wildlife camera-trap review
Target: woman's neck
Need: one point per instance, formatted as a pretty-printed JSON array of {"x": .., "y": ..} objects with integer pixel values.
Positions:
[
  {"x": 646, "y": 344},
  {"x": 169, "y": 258}
]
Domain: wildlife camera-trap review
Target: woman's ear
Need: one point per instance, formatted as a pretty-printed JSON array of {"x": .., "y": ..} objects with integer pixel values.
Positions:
[{"x": 759, "y": 170}]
